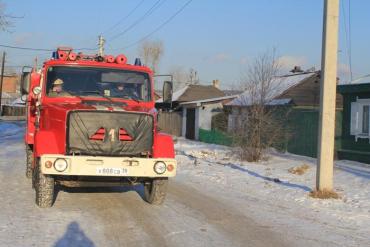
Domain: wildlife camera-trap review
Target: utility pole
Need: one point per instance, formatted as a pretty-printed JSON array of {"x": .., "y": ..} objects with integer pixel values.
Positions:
[
  {"x": 1, "y": 80},
  {"x": 101, "y": 46},
  {"x": 325, "y": 161}
]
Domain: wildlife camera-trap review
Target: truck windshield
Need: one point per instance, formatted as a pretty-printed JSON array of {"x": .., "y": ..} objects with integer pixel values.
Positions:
[{"x": 67, "y": 81}]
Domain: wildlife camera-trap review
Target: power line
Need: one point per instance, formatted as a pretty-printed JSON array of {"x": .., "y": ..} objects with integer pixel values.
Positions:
[
  {"x": 160, "y": 26},
  {"x": 40, "y": 49},
  {"x": 125, "y": 17},
  {"x": 155, "y": 6},
  {"x": 25, "y": 48},
  {"x": 347, "y": 31},
  {"x": 350, "y": 37}
]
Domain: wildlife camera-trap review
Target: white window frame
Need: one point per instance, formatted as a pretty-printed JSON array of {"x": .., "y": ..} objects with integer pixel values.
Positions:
[{"x": 356, "y": 123}]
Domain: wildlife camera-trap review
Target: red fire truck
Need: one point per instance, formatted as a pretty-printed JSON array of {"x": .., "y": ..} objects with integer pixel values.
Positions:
[{"x": 91, "y": 121}]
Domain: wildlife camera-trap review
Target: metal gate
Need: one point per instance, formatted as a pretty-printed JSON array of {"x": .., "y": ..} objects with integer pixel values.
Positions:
[{"x": 170, "y": 122}]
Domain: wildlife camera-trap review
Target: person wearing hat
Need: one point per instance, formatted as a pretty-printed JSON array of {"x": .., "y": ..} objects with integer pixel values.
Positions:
[{"x": 57, "y": 89}]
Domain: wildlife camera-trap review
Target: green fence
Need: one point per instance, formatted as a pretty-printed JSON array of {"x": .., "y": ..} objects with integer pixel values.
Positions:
[
  {"x": 215, "y": 137},
  {"x": 302, "y": 133},
  {"x": 304, "y": 130}
]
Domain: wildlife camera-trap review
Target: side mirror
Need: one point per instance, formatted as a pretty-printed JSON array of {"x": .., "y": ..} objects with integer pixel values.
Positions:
[
  {"x": 25, "y": 80},
  {"x": 167, "y": 92}
]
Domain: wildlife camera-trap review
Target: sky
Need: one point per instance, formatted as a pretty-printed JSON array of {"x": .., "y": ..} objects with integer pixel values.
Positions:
[{"x": 216, "y": 38}]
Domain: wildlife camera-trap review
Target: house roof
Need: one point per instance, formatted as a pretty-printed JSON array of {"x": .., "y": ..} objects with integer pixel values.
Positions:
[
  {"x": 359, "y": 85},
  {"x": 194, "y": 93},
  {"x": 211, "y": 100},
  {"x": 229, "y": 92},
  {"x": 361, "y": 80},
  {"x": 280, "y": 85},
  {"x": 10, "y": 75}
]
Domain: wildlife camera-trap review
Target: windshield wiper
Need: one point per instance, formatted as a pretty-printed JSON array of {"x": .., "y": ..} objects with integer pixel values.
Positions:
[
  {"x": 132, "y": 97},
  {"x": 136, "y": 99},
  {"x": 73, "y": 94},
  {"x": 98, "y": 93}
]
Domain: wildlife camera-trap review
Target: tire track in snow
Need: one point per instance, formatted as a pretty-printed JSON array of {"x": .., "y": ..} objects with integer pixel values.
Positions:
[{"x": 242, "y": 231}]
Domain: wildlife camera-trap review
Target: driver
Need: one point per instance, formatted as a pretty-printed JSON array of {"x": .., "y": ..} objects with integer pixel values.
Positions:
[
  {"x": 57, "y": 89},
  {"x": 118, "y": 90},
  {"x": 122, "y": 90}
]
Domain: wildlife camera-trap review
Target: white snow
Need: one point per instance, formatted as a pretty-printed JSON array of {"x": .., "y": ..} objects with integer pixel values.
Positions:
[
  {"x": 18, "y": 102},
  {"x": 264, "y": 192},
  {"x": 10, "y": 129},
  {"x": 176, "y": 95},
  {"x": 281, "y": 199},
  {"x": 361, "y": 80}
]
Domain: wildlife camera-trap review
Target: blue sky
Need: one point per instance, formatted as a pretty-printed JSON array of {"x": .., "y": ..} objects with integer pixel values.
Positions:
[{"x": 217, "y": 38}]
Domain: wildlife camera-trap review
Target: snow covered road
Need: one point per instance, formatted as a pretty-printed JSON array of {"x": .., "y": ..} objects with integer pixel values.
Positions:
[
  {"x": 214, "y": 201},
  {"x": 115, "y": 216}
]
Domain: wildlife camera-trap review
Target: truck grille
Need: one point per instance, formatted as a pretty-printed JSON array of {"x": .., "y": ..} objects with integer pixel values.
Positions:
[{"x": 109, "y": 133}]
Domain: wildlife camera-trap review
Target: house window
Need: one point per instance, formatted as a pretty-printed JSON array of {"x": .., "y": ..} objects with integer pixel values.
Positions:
[{"x": 360, "y": 119}]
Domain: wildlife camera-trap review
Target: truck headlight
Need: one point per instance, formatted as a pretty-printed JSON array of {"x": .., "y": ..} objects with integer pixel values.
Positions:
[
  {"x": 60, "y": 165},
  {"x": 160, "y": 167}
]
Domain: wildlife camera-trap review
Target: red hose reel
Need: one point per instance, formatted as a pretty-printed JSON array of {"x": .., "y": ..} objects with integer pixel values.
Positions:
[{"x": 66, "y": 54}]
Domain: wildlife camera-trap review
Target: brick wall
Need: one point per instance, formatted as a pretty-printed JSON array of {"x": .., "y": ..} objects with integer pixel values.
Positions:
[{"x": 10, "y": 84}]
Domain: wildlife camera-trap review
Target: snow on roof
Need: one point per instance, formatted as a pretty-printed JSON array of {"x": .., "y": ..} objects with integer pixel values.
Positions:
[
  {"x": 279, "y": 86},
  {"x": 361, "y": 80},
  {"x": 176, "y": 95},
  {"x": 286, "y": 101},
  {"x": 194, "y": 93},
  {"x": 18, "y": 102},
  {"x": 210, "y": 100}
]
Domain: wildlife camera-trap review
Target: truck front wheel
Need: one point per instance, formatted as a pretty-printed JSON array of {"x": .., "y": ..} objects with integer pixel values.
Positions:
[
  {"x": 29, "y": 154},
  {"x": 155, "y": 191},
  {"x": 44, "y": 188}
]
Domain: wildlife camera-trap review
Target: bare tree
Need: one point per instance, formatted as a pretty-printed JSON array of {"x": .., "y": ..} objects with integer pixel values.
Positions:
[
  {"x": 180, "y": 77},
  {"x": 193, "y": 76},
  {"x": 261, "y": 123},
  {"x": 183, "y": 77},
  {"x": 151, "y": 52}
]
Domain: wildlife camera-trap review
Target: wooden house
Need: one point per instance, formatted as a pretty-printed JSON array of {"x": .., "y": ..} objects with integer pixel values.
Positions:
[{"x": 355, "y": 139}]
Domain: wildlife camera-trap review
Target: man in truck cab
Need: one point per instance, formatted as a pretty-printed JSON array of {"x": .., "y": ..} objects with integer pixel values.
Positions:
[
  {"x": 120, "y": 90},
  {"x": 57, "y": 89}
]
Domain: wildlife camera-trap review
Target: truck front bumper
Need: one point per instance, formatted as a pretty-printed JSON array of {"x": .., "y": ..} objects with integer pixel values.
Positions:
[{"x": 107, "y": 166}]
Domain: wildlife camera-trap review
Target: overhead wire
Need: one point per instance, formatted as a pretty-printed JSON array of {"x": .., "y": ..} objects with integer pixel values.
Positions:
[
  {"x": 160, "y": 26},
  {"x": 350, "y": 37},
  {"x": 151, "y": 10},
  {"x": 347, "y": 36},
  {"x": 124, "y": 18},
  {"x": 40, "y": 49}
]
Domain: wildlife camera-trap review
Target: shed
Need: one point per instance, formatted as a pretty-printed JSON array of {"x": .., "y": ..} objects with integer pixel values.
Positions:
[{"x": 196, "y": 105}]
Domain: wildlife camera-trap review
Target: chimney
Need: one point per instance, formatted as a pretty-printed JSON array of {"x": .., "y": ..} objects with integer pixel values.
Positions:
[
  {"x": 297, "y": 69},
  {"x": 216, "y": 83}
]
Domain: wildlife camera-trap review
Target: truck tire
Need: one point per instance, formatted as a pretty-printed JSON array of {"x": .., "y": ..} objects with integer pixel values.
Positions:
[
  {"x": 155, "y": 191},
  {"x": 29, "y": 161},
  {"x": 44, "y": 188}
]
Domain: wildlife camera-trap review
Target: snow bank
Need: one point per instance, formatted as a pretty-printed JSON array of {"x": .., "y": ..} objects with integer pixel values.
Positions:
[{"x": 282, "y": 196}]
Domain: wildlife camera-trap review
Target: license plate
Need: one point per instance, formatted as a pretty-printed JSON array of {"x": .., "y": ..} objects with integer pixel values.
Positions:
[{"x": 111, "y": 171}]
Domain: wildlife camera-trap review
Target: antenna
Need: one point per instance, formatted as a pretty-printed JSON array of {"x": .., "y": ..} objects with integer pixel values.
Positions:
[{"x": 101, "y": 46}]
